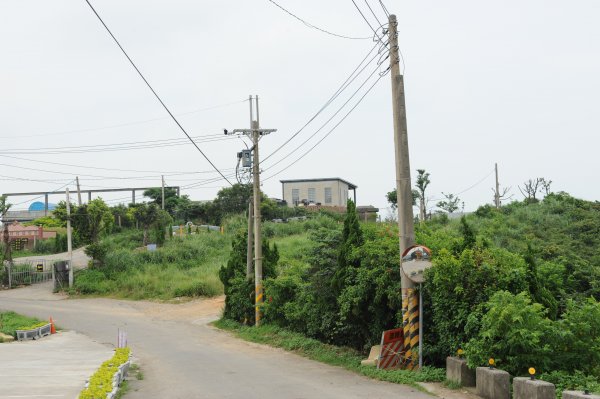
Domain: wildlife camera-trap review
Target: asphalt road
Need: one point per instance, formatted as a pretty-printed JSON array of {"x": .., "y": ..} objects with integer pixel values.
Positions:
[{"x": 182, "y": 357}]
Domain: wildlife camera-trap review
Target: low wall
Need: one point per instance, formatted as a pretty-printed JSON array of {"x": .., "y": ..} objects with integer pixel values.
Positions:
[
  {"x": 492, "y": 383},
  {"x": 578, "y": 395},
  {"x": 458, "y": 371},
  {"x": 526, "y": 388}
]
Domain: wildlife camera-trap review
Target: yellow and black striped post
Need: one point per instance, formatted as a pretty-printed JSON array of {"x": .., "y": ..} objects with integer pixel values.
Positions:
[
  {"x": 405, "y": 327},
  {"x": 413, "y": 321},
  {"x": 258, "y": 300}
]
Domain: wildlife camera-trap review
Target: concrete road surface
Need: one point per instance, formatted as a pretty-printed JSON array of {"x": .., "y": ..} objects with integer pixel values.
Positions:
[
  {"x": 80, "y": 259},
  {"x": 182, "y": 357},
  {"x": 52, "y": 367}
]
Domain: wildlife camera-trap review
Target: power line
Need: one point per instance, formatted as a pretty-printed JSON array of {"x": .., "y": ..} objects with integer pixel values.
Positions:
[
  {"x": 387, "y": 14},
  {"x": 329, "y": 120},
  {"x": 160, "y": 172},
  {"x": 372, "y": 12},
  {"x": 154, "y": 92},
  {"x": 365, "y": 18},
  {"x": 316, "y": 27},
  {"x": 50, "y": 192},
  {"x": 344, "y": 85},
  {"x": 328, "y": 133},
  {"x": 150, "y": 144},
  {"x": 93, "y": 129}
]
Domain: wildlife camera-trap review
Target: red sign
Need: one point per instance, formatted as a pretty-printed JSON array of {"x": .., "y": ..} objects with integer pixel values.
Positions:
[{"x": 392, "y": 349}]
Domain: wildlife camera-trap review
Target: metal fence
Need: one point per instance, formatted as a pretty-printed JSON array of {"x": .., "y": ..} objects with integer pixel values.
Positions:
[{"x": 29, "y": 272}]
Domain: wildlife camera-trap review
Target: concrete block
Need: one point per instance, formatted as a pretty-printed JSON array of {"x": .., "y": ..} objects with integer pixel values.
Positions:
[
  {"x": 458, "y": 371},
  {"x": 526, "y": 388},
  {"x": 578, "y": 395},
  {"x": 373, "y": 356},
  {"x": 492, "y": 383}
]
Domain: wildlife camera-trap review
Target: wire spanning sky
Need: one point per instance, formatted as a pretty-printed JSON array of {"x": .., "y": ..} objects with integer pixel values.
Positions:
[{"x": 511, "y": 82}]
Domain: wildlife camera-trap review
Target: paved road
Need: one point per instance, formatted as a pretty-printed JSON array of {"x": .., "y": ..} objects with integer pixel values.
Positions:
[
  {"x": 80, "y": 259},
  {"x": 183, "y": 357}
]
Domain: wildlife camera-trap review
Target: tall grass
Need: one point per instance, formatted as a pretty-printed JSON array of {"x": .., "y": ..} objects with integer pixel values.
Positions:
[{"x": 185, "y": 266}]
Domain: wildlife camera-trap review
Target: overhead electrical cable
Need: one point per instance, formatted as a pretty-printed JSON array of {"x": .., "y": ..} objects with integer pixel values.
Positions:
[
  {"x": 330, "y": 119},
  {"x": 343, "y": 86},
  {"x": 40, "y": 196},
  {"x": 387, "y": 14},
  {"x": 316, "y": 27},
  {"x": 372, "y": 12},
  {"x": 328, "y": 133},
  {"x": 155, "y": 94},
  {"x": 161, "y": 172},
  {"x": 125, "y": 124}
]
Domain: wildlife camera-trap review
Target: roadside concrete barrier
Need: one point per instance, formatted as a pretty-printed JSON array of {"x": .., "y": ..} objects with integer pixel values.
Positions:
[
  {"x": 458, "y": 371},
  {"x": 526, "y": 388},
  {"x": 492, "y": 383},
  {"x": 578, "y": 395}
]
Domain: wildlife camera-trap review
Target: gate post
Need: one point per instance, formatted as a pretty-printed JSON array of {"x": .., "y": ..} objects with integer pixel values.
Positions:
[{"x": 9, "y": 276}]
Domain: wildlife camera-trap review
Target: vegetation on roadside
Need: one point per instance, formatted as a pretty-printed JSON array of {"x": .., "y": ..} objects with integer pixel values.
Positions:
[
  {"x": 101, "y": 381},
  {"x": 184, "y": 267},
  {"x": 520, "y": 284},
  {"x": 347, "y": 358},
  {"x": 10, "y": 322}
]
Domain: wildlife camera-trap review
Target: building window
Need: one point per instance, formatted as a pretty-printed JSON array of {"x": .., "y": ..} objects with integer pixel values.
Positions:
[
  {"x": 328, "y": 195},
  {"x": 312, "y": 195},
  {"x": 295, "y": 196}
]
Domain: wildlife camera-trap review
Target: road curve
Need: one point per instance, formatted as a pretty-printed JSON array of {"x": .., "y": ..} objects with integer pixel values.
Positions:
[{"x": 182, "y": 357}]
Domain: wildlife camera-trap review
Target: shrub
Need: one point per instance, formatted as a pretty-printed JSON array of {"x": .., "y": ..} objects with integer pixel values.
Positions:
[{"x": 516, "y": 333}]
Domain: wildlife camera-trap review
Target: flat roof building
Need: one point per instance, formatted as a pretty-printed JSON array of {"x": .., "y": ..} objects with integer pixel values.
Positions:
[{"x": 325, "y": 192}]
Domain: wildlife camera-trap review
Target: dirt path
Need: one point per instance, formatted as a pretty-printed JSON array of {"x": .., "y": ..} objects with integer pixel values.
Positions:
[{"x": 182, "y": 357}]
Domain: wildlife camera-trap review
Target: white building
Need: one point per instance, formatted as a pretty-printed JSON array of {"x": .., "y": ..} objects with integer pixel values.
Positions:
[{"x": 326, "y": 192}]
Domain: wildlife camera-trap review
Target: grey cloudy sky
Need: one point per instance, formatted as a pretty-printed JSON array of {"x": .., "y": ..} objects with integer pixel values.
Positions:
[{"x": 513, "y": 82}]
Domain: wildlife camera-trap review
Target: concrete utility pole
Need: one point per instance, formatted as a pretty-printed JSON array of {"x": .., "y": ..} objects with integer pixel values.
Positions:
[
  {"x": 255, "y": 132},
  {"x": 403, "y": 183},
  {"x": 69, "y": 239},
  {"x": 497, "y": 192},
  {"x": 78, "y": 191},
  {"x": 163, "y": 192},
  {"x": 250, "y": 250}
]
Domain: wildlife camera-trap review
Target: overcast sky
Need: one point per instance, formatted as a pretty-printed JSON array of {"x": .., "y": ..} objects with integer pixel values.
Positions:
[{"x": 513, "y": 82}]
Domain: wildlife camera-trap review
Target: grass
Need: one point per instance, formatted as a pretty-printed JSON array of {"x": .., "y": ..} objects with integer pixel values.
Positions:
[
  {"x": 11, "y": 321},
  {"x": 184, "y": 267},
  {"x": 346, "y": 358}
]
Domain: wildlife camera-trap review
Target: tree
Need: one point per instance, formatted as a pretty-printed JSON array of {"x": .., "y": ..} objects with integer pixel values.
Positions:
[
  {"x": 146, "y": 215},
  {"x": 422, "y": 183},
  {"x": 392, "y": 198},
  {"x": 450, "y": 204},
  {"x": 532, "y": 187},
  {"x": 351, "y": 238},
  {"x": 89, "y": 221},
  {"x": 4, "y": 207},
  {"x": 172, "y": 200}
]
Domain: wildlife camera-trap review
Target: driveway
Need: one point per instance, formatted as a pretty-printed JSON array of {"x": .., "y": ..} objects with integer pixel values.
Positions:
[
  {"x": 182, "y": 357},
  {"x": 80, "y": 259}
]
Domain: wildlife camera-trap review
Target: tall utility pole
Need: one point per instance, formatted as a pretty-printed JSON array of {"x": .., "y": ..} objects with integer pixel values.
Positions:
[
  {"x": 78, "y": 191},
  {"x": 255, "y": 133},
  {"x": 69, "y": 238},
  {"x": 163, "y": 192},
  {"x": 497, "y": 192},
  {"x": 403, "y": 189},
  {"x": 250, "y": 249}
]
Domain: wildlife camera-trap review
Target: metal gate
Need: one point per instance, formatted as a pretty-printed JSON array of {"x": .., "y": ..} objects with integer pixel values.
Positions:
[{"x": 28, "y": 272}]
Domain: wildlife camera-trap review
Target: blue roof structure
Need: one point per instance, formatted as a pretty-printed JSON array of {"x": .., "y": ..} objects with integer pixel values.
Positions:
[{"x": 39, "y": 206}]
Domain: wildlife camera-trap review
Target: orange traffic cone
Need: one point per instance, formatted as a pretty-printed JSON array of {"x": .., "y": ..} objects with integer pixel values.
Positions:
[{"x": 52, "y": 328}]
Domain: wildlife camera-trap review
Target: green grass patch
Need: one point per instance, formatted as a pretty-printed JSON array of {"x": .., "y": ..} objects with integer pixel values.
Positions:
[
  {"x": 185, "y": 267},
  {"x": 11, "y": 321},
  {"x": 330, "y": 354}
]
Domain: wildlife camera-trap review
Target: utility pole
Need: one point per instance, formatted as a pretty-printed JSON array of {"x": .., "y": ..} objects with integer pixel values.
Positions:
[
  {"x": 163, "y": 192},
  {"x": 497, "y": 192},
  {"x": 404, "y": 193},
  {"x": 69, "y": 239},
  {"x": 250, "y": 250},
  {"x": 255, "y": 133},
  {"x": 78, "y": 191}
]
